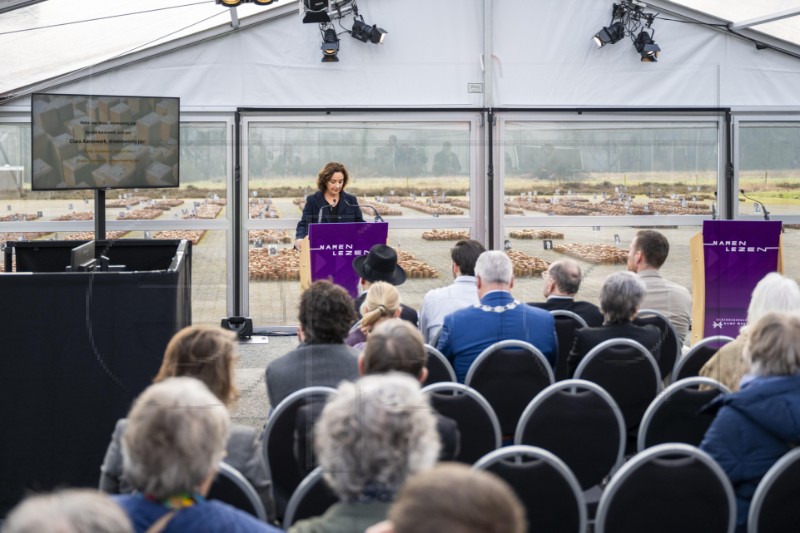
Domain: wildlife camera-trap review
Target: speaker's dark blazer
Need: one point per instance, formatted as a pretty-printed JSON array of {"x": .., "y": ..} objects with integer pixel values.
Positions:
[{"x": 348, "y": 211}]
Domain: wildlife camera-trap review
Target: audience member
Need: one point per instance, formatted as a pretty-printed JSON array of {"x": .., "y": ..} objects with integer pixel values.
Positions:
[
  {"x": 380, "y": 264},
  {"x": 454, "y": 498},
  {"x": 209, "y": 354},
  {"x": 174, "y": 441},
  {"x": 371, "y": 435},
  {"x": 322, "y": 359},
  {"x": 648, "y": 251},
  {"x": 498, "y": 316},
  {"x": 68, "y": 511},
  {"x": 445, "y": 161},
  {"x": 620, "y": 298},
  {"x": 381, "y": 303},
  {"x": 462, "y": 293},
  {"x": 394, "y": 346},
  {"x": 561, "y": 283},
  {"x": 754, "y": 427},
  {"x": 773, "y": 293}
]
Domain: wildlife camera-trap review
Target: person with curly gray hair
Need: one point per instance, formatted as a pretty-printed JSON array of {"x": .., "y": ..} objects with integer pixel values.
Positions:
[
  {"x": 620, "y": 298},
  {"x": 176, "y": 435},
  {"x": 370, "y": 437},
  {"x": 68, "y": 511}
]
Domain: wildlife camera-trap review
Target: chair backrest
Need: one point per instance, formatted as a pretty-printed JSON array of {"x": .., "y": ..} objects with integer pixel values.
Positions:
[
  {"x": 439, "y": 368},
  {"x": 509, "y": 374},
  {"x": 665, "y": 489},
  {"x": 581, "y": 424},
  {"x": 312, "y": 497},
  {"x": 566, "y": 323},
  {"x": 698, "y": 355},
  {"x": 549, "y": 491},
  {"x": 478, "y": 427},
  {"x": 673, "y": 416},
  {"x": 774, "y": 508},
  {"x": 231, "y": 487},
  {"x": 627, "y": 371},
  {"x": 670, "y": 342},
  {"x": 278, "y": 443}
]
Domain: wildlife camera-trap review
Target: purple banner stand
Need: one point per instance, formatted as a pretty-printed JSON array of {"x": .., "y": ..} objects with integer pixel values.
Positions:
[
  {"x": 737, "y": 254},
  {"x": 334, "y": 246}
]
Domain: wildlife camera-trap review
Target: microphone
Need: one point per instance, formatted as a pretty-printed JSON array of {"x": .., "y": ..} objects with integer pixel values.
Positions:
[
  {"x": 378, "y": 217},
  {"x": 319, "y": 218},
  {"x": 763, "y": 207}
]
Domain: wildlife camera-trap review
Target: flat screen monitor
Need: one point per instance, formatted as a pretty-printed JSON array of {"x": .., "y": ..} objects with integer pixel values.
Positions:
[
  {"x": 82, "y": 258},
  {"x": 104, "y": 142}
]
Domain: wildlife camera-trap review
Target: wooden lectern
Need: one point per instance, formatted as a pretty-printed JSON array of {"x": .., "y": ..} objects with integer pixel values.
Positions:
[{"x": 734, "y": 255}]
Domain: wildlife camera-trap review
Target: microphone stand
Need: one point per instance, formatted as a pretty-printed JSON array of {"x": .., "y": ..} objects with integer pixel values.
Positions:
[
  {"x": 321, "y": 210},
  {"x": 763, "y": 207},
  {"x": 378, "y": 217}
]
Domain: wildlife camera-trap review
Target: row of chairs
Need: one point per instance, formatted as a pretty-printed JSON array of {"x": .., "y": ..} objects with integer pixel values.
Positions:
[
  {"x": 577, "y": 420},
  {"x": 672, "y": 364},
  {"x": 510, "y": 373},
  {"x": 666, "y": 488}
]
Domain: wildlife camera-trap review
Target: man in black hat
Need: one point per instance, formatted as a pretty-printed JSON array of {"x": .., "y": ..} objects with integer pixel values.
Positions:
[{"x": 380, "y": 264}]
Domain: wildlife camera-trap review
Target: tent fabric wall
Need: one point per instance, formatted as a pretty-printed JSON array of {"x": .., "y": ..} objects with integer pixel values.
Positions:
[{"x": 542, "y": 56}]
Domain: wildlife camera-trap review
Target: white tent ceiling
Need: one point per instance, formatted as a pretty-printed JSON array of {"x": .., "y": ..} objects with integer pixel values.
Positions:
[{"x": 540, "y": 52}]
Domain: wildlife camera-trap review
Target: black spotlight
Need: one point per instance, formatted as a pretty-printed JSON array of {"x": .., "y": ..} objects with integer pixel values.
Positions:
[
  {"x": 366, "y": 33},
  {"x": 646, "y": 47},
  {"x": 330, "y": 46},
  {"x": 609, "y": 34}
]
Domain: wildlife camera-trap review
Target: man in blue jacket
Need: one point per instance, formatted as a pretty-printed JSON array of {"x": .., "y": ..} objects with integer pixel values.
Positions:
[{"x": 498, "y": 317}]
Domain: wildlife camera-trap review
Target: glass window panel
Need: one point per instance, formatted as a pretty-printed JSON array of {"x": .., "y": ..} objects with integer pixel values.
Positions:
[
  {"x": 15, "y": 155},
  {"x": 387, "y": 163},
  {"x": 598, "y": 168},
  {"x": 769, "y": 167}
]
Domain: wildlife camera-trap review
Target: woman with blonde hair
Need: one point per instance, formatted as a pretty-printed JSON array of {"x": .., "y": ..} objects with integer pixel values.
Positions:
[
  {"x": 207, "y": 353},
  {"x": 774, "y": 292},
  {"x": 382, "y": 303}
]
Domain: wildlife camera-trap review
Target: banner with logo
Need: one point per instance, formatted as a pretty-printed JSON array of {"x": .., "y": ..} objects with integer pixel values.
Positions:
[
  {"x": 737, "y": 255},
  {"x": 334, "y": 246}
]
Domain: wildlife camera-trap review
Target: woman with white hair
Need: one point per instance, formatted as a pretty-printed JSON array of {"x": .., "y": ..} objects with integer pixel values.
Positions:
[
  {"x": 176, "y": 435},
  {"x": 371, "y": 435},
  {"x": 773, "y": 293},
  {"x": 620, "y": 297},
  {"x": 756, "y": 426}
]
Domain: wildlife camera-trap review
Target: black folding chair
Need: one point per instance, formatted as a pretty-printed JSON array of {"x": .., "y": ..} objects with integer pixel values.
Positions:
[
  {"x": 509, "y": 374},
  {"x": 668, "y": 488},
  {"x": 566, "y": 323},
  {"x": 477, "y": 423},
  {"x": 231, "y": 487}
]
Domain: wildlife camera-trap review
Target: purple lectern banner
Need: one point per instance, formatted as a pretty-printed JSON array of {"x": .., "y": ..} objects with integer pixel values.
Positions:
[
  {"x": 334, "y": 246},
  {"x": 737, "y": 255}
]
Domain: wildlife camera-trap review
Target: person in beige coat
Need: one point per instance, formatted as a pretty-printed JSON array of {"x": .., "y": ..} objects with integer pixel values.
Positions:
[{"x": 773, "y": 293}]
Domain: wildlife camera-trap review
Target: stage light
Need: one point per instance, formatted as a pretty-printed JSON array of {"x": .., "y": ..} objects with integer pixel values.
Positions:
[
  {"x": 330, "y": 45},
  {"x": 230, "y": 3},
  {"x": 366, "y": 33},
  {"x": 609, "y": 34},
  {"x": 646, "y": 47},
  {"x": 262, "y": 2}
]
